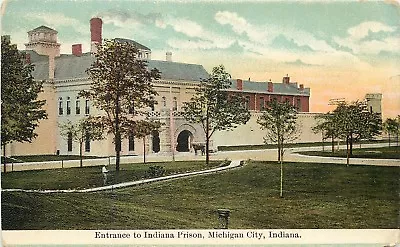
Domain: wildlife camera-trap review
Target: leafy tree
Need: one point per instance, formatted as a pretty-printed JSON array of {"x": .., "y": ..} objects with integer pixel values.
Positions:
[
  {"x": 121, "y": 87},
  {"x": 279, "y": 121},
  {"x": 214, "y": 108},
  {"x": 144, "y": 128},
  {"x": 21, "y": 110},
  {"x": 85, "y": 128},
  {"x": 391, "y": 127},
  {"x": 356, "y": 122},
  {"x": 327, "y": 125}
]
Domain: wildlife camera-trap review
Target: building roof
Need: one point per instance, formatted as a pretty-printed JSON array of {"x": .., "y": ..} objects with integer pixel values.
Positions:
[
  {"x": 138, "y": 45},
  {"x": 43, "y": 29},
  {"x": 279, "y": 87},
  {"x": 69, "y": 66}
]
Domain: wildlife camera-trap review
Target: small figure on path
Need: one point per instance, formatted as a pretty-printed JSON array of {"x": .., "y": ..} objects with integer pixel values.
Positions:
[{"x": 104, "y": 171}]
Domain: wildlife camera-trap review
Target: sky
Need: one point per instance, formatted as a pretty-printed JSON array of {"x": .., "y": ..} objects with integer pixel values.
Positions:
[{"x": 340, "y": 49}]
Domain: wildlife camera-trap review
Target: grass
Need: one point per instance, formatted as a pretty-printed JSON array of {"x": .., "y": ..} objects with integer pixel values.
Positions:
[
  {"x": 45, "y": 157},
  {"x": 91, "y": 176},
  {"x": 371, "y": 153},
  {"x": 289, "y": 145},
  {"x": 315, "y": 196}
]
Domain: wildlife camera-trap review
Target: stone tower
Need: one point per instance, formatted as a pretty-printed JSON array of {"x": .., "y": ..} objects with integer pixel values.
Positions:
[
  {"x": 43, "y": 40},
  {"x": 374, "y": 102}
]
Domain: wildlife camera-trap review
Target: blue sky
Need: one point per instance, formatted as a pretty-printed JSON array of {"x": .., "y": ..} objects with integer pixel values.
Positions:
[{"x": 325, "y": 45}]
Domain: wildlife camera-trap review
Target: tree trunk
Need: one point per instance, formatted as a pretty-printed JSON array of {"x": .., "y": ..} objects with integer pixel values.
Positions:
[
  {"x": 144, "y": 150},
  {"x": 389, "y": 139},
  {"x": 323, "y": 143},
  {"x": 117, "y": 135},
  {"x": 347, "y": 151},
  {"x": 351, "y": 144},
  {"x": 281, "y": 194},
  {"x": 80, "y": 154},
  {"x": 333, "y": 144},
  {"x": 4, "y": 156},
  {"x": 207, "y": 139}
]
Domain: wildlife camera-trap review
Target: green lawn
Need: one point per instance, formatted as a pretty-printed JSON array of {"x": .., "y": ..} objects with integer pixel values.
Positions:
[
  {"x": 289, "y": 145},
  {"x": 45, "y": 157},
  {"x": 91, "y": 176},
  {"x": 315, "y": 196},
  {"x": 372, "y": 153}
]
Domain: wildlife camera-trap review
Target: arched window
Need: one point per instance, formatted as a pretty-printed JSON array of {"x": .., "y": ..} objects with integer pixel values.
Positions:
[
  {"x": 68, "y": 106},
  {"x": 60, "y": 106},
  {"x": 175, "y": 104},
  {"x": 77, "y": 106}
]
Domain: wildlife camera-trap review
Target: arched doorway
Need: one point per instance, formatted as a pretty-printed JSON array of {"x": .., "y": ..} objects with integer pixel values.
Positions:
[
  {"x": 184, "y": 139},
  {"x": 156, "y": 141}
]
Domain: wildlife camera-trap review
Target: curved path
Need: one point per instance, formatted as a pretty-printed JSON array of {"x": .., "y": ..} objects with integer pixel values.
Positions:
[
  {"x": 233, "y": 164},
  {"x": 259, "y": 155}
]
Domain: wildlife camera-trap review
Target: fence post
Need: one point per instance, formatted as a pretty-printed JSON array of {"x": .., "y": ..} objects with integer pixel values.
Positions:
[
  {"x": 12, "y": 165},
  {"x": 62, "y": 163}
]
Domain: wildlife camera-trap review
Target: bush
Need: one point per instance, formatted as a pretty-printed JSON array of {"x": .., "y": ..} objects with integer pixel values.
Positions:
[{"x": 155, "y": 171}]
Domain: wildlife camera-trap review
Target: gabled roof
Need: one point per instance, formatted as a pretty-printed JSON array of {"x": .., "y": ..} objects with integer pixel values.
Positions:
[
  {"x": 72, "y": 67},
  {"x": 43, "y": 29},
  {"x": 138, "y": 45},
  {"x": 279, "y": 88}
]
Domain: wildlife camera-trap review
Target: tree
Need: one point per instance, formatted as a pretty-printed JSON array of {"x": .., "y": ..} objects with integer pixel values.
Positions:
[
  {"x": 391, "y": 127},
  {"x": 327, "y": 125},
  {"x": 356, "y": 122},
  {"x": 143, "y": 129},
  {"x": 279, "y": 121},
  {"x": 81, "y": 131},
  {"x": 214, "y": 108},
  {"x": 121, "y": 87},
  {"x": 21, "y": 110}
]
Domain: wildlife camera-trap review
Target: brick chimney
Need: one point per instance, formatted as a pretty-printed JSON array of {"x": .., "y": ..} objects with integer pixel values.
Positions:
[
  {"x": 95, "y": 33},
  {"x": 77, "y": 50},
  {"x": 286, "y": 79},
  {"x": 239, "y": 84},
  {"x": 168, "y": 56},
  {"x": 270, "y": 86},
  {"x": 301, "y": 87}
]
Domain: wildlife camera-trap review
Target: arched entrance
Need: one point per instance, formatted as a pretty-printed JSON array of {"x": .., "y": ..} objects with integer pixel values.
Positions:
[
  {"x": 184, "y": 140},
  {"x": 156, "y": 141}
]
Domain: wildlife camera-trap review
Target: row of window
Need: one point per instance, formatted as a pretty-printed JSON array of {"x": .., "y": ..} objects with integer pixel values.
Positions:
[
  {"x": 263, "y": 103},
  {"x": 68, "y": 106},
  {"x": 131, "y": 143}
]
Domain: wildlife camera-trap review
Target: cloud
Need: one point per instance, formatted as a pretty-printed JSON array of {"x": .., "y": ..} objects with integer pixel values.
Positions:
[
  {"x": 298, "y": 62},
  {"x": 357, "y": 39},
  {"x": 125, "y": 19},
  {"x": 197, "y": 36},
  {"x": 266, "y": 34},
  {"x": 56, "y": 20}
]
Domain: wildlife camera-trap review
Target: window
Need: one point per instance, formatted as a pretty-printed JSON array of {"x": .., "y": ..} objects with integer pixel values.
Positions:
[
  {"x": 69, "y": 142},
  {"x": 261, "y": 103},
  {"x": 87, "y": 107},
  {"x": 87, "y": 142},
  {"x": 247, "y": 102},
  {"x": 298, "y": 105},
  {"x": 370, "y": 109},
  {"x": 131, "y": 143},
  {"x": 152, "y": 103},
  {"x": 60, "y": 106},
  {"x": 68, "y": 106},
  {"x": 175, "y": 105},
  {"x": 164, "y": 102},
  {"x": 77, "y": 106}
]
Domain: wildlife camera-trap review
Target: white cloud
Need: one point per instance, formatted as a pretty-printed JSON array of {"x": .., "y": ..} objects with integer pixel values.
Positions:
[
  {"x": 265, "y": 34},
  {"x": 356, "y": 34},
  {"x": 198, "y": 37},
  {"x": 55, "y": 20}
]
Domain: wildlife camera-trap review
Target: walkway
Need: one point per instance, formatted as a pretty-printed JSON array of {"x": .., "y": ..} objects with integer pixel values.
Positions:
[
  {"x": 259, "y": 155},
  {"x": 233, "y": 164}
]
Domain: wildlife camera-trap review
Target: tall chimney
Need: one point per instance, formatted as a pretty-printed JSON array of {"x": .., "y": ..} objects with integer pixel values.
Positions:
[
  {"x": 270, "y": 86},
  {"x": 239, "y": 84},
  {"x": 77, "y": 50},
  {"x": 301, "y": 87},
  {"x": 95, "y": 33},
  {"x": 286, "y": 79},
  {"x": 168, "y": 56}
]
